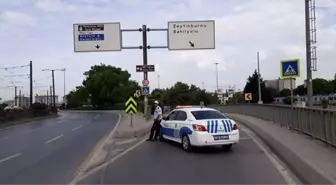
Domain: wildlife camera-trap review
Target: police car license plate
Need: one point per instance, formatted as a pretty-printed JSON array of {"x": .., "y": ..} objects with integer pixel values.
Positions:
[{"x": 221, "y": 137}]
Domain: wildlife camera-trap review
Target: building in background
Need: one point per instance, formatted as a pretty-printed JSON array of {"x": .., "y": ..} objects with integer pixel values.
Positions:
[
  {"x": 23, "y": 101},
  {"x": 45, "y": 99},
  {"x": 280, "y": 84}
]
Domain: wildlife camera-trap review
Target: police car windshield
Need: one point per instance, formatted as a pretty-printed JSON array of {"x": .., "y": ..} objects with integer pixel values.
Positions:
[{"x": 207, "y": 114}]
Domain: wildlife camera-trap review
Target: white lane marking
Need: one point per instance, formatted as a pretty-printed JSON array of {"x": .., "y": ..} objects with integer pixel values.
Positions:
[
  {"x": 77, "y": 128},
  {"x": 96, "y": 116},
  {"x": 80, "y": 177},
  {"x": 283, "y": 170},
  {"x": 53, "y": 139},
  {"x": 60, "y": 121},
  {"x": 96, "y": 152},
  {"x": 126, "y": 141},
  {"x": 34, "y": 130},
  {"x": 88, "y": 122},
  {"x": 10, "y": 157}
]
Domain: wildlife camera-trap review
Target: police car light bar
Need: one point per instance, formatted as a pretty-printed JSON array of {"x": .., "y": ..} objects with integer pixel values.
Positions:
[{"x": 183, "y": 106}]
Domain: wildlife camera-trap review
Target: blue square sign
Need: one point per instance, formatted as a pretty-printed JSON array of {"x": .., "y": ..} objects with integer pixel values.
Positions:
[
  {"x": 145, "y": 90},
  {"x": 290, "y": 68}
]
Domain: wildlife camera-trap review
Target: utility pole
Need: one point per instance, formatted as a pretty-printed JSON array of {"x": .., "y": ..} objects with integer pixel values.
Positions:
[
  {"x": 158, "y": 81},
  {"x": 31, "y": 83},
  {"x": 47, "y": 98},
  {"x": 53, "y": 83},
  {"x": 216, "y": 77},
  {"x": 259, "y": 85},
  {"x": 144, "y": 55},
  {"x": 20, "y": 103},
  {"x": 308, "y": 56},
  {"x": 64, "y": 99},
  {"x": 15, "y": 93},
  {"x": 51, "y": 96},
  {"x": 310, "y": 20},
  {"x": 15, "y": 99}
]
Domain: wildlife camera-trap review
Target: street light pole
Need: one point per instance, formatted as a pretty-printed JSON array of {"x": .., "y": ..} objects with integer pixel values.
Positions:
[
  {"x": 259, "y": 85},
  {"x": 158, "y": 81},
  {"x": 216, "y": 76},
  {"x": 53, "y": 84}
]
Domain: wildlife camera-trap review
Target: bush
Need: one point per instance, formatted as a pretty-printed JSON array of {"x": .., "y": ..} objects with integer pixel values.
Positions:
[
  {"x": 39, "y": 109},
  {"x": 325, "y": 103}
]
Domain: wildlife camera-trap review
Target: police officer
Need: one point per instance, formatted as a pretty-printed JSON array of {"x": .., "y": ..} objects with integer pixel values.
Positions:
[{"x": 156, "y": 125}]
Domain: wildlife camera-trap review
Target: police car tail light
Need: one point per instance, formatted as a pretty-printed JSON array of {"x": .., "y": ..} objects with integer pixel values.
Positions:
[
  {"x": 235, "y": 127},
  {"x": 199, "y": 128}
]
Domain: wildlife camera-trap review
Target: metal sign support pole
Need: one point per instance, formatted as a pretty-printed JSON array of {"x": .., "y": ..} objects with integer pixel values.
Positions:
[
  {"x": 131, "y": 120},
  {"x": 291, "y": 91},
  {"x": 145, "y": 47},
  {"x": 144, "y": 54}
]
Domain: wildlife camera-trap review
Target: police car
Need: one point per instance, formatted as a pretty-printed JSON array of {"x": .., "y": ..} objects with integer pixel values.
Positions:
[{"x": 198, "y": 127}]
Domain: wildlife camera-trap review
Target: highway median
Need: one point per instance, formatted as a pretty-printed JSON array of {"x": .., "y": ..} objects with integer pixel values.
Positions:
[{"x": 123, "y": 131}]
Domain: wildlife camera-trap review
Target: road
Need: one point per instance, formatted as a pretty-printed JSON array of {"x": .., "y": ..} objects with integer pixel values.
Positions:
[
  {"x": 50, "y": 151},
  {"x": 166, "y": 163}
]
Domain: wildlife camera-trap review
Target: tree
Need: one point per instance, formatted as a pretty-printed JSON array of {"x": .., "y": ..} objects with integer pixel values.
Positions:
[
  {"x": 103, "y": 87},
  {"x": 322, "y": 86},
  {"x": 252, "y": 86},
  {"x": 285, "y": 92},
  {"x": 183, "y": 94},
  {"x": 267, "y": 94},
  {"x": 300, "y": 90},
  {"x": 77, "y": 97},
  {"x": 108, "y": 85}
]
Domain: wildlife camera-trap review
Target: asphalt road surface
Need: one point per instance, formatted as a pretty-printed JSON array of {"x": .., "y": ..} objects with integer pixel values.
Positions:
[
  {"x": 167, "y": 163},
  {"x": 50, "y": 151}
]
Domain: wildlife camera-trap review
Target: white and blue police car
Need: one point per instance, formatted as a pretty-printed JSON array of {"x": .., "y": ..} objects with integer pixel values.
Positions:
[{"x": 198, "y": 127}]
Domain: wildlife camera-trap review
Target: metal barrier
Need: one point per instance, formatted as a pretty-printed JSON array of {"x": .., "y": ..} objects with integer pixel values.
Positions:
[{"x": 317, "y": 123}]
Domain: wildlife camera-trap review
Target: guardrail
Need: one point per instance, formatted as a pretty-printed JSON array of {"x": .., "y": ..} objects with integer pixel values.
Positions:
[{"x": 317, "y": 123}]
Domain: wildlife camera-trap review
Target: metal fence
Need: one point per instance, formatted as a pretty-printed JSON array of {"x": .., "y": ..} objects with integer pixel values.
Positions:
[{"x": 317, "y": 123}]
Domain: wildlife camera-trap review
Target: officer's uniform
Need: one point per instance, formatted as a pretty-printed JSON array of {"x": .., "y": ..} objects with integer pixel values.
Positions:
[{"x": 156, "y": 125}]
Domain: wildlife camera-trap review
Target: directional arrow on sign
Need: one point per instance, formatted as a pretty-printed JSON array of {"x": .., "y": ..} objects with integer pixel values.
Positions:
[
  {"x": 249, "y": 96},
  {"x": 191, "y": 44},
  {"x": 131, "y": 106},
  {"x": 97, "y": 46}
]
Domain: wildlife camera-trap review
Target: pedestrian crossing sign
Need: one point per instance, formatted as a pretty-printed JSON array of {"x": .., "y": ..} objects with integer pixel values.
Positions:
[
  {"x": 290, "y": 68},
  {"x": 145, "y": 90}
]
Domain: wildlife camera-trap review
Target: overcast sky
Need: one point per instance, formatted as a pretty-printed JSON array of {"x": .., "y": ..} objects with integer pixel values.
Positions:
[{"x": 42, "y": 31}]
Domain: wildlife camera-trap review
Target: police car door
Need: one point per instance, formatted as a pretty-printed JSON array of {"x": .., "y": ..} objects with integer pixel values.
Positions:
[
  {"x": 180, "y": 122},
  {"x": 167, "y": 128}
]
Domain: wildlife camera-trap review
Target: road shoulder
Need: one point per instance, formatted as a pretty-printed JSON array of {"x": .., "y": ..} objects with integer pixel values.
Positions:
[{"x": 304, "y": 157}]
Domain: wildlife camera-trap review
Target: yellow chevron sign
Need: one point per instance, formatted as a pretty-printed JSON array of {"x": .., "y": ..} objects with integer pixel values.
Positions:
[{"x": 130, "y": 106}]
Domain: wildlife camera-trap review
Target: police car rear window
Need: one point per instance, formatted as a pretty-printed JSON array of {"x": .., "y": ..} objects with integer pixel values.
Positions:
[{"x": 207, "y": 114}]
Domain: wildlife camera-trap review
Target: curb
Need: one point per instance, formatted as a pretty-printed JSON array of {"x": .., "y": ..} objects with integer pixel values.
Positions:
[
  {"x": 131, "y": 134},
  {"x": 101, "y": 153},
  {"x": 305, "y": 173}
]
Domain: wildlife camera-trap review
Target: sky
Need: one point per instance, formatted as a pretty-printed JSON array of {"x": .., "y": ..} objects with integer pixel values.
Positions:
[{"x": 42, "y": 31}]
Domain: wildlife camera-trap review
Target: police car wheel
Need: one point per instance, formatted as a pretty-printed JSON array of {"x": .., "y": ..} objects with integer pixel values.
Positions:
[
  {"x": 186, "y": 143},
  {"x": 227, "y": 147}
]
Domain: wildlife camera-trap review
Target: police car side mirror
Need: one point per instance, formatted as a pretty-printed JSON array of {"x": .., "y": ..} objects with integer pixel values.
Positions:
[{"x": 165, "y": 118}]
